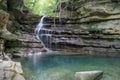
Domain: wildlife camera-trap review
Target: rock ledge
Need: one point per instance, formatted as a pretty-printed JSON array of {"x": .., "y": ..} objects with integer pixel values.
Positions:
[{"x": 10, "y": 70}]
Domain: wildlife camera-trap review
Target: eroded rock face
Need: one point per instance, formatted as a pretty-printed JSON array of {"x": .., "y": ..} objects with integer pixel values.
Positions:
[
  {"x": 94, "y": 8},
  {"x": 91, "y": 27},
  {"x": 4, "y": 33},
  {"x": 101, "y": 20},
  {"x": 17, "y": 8},
  {"x": 101, "y": 38},
  {"x": 3, "y": 4},
  {"x": 1, "y": 48},
  {"x": 17, "y": 28}
]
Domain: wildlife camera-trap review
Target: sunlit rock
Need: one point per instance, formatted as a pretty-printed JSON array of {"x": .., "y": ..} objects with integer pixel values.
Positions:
[
  {"x": 19, "y": 77},
  {"x": 88, "y": 75},
  {"x": 10, "y": 70}
]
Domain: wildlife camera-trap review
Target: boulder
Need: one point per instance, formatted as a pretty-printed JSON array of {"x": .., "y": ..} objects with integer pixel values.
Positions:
[
  {"x": 10, "y": 70},
  {"x": 88, "y": 75}
]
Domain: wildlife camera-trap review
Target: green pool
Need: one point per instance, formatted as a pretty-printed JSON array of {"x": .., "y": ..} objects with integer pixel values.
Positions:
[{"x": 38, "y": 67}]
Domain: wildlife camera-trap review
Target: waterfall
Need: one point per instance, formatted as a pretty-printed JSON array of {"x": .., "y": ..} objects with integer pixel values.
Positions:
[
  {"x": 49, "y": 34},
  {"x": 41, "y": 35}
]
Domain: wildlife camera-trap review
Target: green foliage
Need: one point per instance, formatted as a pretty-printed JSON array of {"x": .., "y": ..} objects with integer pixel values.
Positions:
[{"x": 42, "y": 7}]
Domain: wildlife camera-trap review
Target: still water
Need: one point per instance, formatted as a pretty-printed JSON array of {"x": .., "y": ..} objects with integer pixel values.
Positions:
[{"x": 37, "y": 67}]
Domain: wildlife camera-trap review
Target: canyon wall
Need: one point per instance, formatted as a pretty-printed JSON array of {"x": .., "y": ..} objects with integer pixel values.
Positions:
[
  {"x": 17, "y": 25},
  {"x": 84, "y": 26},
  {"x": 90, "y": 27},
  {"x": 98, "y": 23}
]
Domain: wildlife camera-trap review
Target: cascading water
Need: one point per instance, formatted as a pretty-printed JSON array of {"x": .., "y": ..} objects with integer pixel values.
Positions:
[
  {"x": 55, "y": 35},
  {"x": 42, "y": 35}
]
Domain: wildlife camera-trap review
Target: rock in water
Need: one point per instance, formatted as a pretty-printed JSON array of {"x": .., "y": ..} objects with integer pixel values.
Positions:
[{"x": 88, "y": 75}]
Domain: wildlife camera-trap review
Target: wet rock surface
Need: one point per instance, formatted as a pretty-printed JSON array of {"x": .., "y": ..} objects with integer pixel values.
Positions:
[
  {"x": 1, "y": 48},
  {"x": 101, "y": 38}
]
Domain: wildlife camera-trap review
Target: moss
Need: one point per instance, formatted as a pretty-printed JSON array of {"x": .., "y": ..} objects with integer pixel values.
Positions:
[
  {"x": 13, "y": 76},
  {"x": 13, "y": 44},
  {"x": 3, "y": 4},
  {"x": 8, "y": 36},
  {"x": 11, "y": 50},
  {"x": 4, "y": 17},
  {"x": 15, "y": 73},
  {"x": 4, "y": 78}
]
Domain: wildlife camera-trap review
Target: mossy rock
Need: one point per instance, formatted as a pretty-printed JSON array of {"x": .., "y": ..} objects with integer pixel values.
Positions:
[
  {"x": 8, "y": 36},
  {"x": 4, "y": 17},
  {"x": 3, "y": 4}
]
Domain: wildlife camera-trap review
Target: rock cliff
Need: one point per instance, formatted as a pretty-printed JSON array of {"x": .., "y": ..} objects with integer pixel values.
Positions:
[
  {"x": 90, "y": 27},
  {"x": 17, "y": 25},
  {"x": 84, "y": 26}
]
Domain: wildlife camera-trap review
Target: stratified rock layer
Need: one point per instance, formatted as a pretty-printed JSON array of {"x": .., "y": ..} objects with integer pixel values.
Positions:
[
  {"x": 90, "y": 27},
  {"x": 17, "y": 25},
  {"x": 87, "y": 27}
]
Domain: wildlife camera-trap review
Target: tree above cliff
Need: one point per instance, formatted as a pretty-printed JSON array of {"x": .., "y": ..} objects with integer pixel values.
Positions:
[{"x": 42, "y": 7}]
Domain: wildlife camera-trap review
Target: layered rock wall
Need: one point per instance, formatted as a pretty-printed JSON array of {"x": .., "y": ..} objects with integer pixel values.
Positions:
[
  {"x": 86, "y": 27},
  {"x": 1, "y": 48},
  {"x": 90, "y": 27},
  {"x": 100, "y": 21},
  {"x": 17, "y": 25}
]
